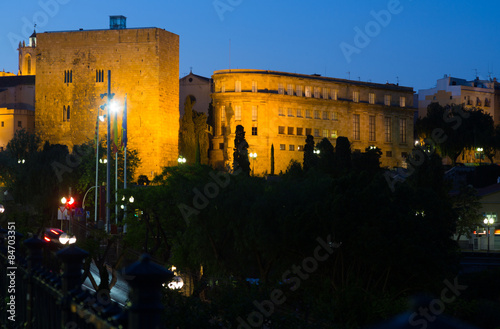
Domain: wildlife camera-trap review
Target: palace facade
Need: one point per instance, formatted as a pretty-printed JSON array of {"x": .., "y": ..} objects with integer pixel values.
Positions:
[{"x": 280, "y": 109}]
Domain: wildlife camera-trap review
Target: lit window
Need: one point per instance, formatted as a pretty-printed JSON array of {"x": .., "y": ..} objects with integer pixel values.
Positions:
[
  {"x": 355, "y": 96},
  {"x": 325, "y": 133},
  {"x": 223, "y": 113},
  {"x": 291, "y": 147},
  {"x": 335, "y": 116},
  {"x": 290, "y": 112},
  {"x": 335, "y": 93},
  {"x": 254, "y": 131},
  {"x": 237, "y": 113},
  {"x": 356, "y": 127},
  {"x": 371, "y": 128},
  {"x": 316, "y": 132},
  {"x": 254, "y": 86},
  {"x": 290, "y": 130},
  {"x": 281, "y": 90},
  {"x": 316, "y": 114},
  {"x": 325, "y": 93},
  {"x": 299, "y": 90},
  {"x": 388, "y": 130},
  {"x": 281, "y": 130},
  {"x": 290, "y": 89},
  {"x": 280, "y": 112},
  {"x": 402, "y": 101},
  {"x": 308, "y": 91},
  {"x": 282, "y": 147},
  {"x": 237, "y": 86},
  {"x": 387, "y": 100},
  {"x": 308, "y": 114},
  {"x": 325, "y": 115},
  {"x": 316, "y": 92},
  {"x": 334, "y": 134},
  {"x": 300, "y": 131},
  {"x": 371, "y": 98},
  {"x": 254, "y": 113},
  {"x": 299, "y": 113}
]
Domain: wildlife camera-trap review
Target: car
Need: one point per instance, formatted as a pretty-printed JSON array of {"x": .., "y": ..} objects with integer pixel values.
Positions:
[{"x": 55, "y": 235}]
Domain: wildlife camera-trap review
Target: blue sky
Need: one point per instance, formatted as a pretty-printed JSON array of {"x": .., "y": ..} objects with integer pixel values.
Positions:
[{"x": 414, "y": 42}]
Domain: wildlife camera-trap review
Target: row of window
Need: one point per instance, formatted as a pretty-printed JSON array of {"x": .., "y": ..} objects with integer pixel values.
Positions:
[
  {"x": 292, "y": 147},
  {"x": 237, "y": 113},
  {"x": 299, "y": 113},
  {"x": 356, "y": 134},
  {"x": 299, "y": 131},
  {"x": 68, "y": 76},
  {"x": 19, "y": 124},
  {"x": 469, "y": 101},
  {"x": 317, "y": 92}
]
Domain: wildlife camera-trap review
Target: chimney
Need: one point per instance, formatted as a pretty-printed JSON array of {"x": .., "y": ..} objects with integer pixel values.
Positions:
[{"x": 117, "y": 22}]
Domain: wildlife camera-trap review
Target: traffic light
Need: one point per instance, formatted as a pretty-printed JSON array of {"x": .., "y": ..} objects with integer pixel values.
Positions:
[{"x": 69, "y": 203}]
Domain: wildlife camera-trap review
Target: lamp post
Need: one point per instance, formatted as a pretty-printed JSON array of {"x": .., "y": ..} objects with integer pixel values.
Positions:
[
  {"x": 181, "y": 160},
  {"x": 316, "y": 151},
  {"x": 480, "y": 150},
  {"x": 253, "y": 155},
  {"x": 488, "y": 221},
  {"x": 2, "y": 209}
]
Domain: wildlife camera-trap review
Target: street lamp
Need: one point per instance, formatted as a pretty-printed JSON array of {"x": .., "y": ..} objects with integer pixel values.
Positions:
[
  {"x": 316, "y": 151},
  {"x": 480, "y": 150},
  {"x": 488, "y": 221},
  {"x": 181, "y": 160},
  {"x": 253, "y": 155},
  {"x": 2, "y": 209}
]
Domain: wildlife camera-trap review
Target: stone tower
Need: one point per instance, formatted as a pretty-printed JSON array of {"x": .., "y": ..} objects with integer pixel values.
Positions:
[
  {"x": 72, "y": 73},
  {"x": 27, "y": 59}
]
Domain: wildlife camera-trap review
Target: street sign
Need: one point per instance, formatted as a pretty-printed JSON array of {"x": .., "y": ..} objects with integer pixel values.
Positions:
[
  {"x": 88, "y": 214},
  {"x": 62, "y": 213}
]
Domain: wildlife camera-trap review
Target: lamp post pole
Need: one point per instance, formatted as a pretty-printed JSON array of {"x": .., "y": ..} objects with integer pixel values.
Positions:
[
  {"x": 488, "y": 221},
  {"x": 108, "y": 165}
]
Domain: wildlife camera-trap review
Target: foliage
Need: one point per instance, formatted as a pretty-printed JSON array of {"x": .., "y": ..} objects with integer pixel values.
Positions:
[
  {"x": 452, "y": 129},
  {"x": 240, "y": 154},
  {"x": 272, "y": 159},
  {"x": 468, "y": 208},
  {"x": 310, "y": 158},
  {"x": 187, "y": 137}
]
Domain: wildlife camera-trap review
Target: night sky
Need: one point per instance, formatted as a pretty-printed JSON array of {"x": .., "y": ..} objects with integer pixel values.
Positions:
[{"x": 414, "y": 42}]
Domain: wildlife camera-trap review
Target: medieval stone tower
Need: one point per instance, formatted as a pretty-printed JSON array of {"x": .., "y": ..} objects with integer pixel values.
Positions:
[
  {"x": 27, "y": 59},
  {"x": 72, "y": 73}
]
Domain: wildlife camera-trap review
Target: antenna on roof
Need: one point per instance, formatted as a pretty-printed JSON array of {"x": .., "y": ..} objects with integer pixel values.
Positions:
[
  {"x": 348, "y": 75},
  {"x": 190, "y": 69},
  {"x": 397, "y": 80},
  {"x": 475, "y": 70},
  {"x": 229, "y": 53}
]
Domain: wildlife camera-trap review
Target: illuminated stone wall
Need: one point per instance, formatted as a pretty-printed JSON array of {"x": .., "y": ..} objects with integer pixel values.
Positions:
[
  {"x": 268, "y": 92},
  {"x": 72, "y": 71}
]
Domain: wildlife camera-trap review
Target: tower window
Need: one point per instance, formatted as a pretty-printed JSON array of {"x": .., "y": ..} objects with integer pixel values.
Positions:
[
  {"x": 66, "y": 113},
  {"x": 99, "y": 76},
  {"x": 68, "y": 76}
]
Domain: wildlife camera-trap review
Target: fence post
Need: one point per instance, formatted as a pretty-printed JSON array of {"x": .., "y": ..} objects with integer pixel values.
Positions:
[
  {"x": 34, "y": 259},
  {"x": 145, "y": 279},
  {"x": 72, "y": 258}
]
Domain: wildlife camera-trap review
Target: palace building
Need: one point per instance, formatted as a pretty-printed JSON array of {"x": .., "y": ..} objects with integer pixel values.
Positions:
[
  {"x": 71, "y": 69},
  {"x": 280, "y": 109}
]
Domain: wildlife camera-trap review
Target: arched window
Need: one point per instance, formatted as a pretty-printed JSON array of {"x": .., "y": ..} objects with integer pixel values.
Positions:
[
  {"x": 28, "y": 64},
  {"x": 68, "y": 114}
]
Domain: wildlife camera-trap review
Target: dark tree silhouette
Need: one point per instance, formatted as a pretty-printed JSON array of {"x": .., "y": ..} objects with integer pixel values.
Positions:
[
  {"x": 343, "y": 154},
  {"x": 240, "y": 155},
  {"x": 310, "y": 159},
  {"x": 272, "y": 159}
]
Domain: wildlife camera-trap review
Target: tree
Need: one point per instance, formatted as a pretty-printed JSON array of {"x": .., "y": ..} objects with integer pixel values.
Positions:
[
  {"x": 272, "y": 159},
  {"x": 343, "y": 160},
  {"x": 187, "y": 136},
  {"x": 240, "y": 155},
  {"x": 468, "y": 208},
  {"x": 310, "y": 158},
  {"x": 201, "y": 136},
  {"x": 326, "y": 161}
]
